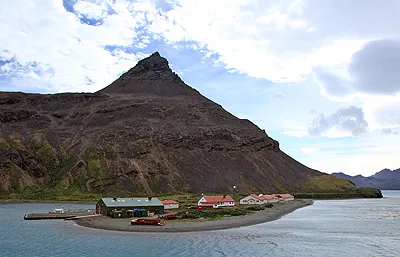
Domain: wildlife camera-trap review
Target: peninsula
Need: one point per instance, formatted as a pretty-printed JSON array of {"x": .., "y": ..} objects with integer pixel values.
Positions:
[{"x": 270, "y": 214}]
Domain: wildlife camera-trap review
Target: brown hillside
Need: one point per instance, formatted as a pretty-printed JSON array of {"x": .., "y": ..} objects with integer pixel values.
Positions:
[{"x": 148, "y": 132}]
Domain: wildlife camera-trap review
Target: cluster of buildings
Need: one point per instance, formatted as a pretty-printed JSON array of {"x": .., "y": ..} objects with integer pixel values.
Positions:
[
  {"x": 263, "y": 199},
  {"x": 227, "y": 201},
  {"x": 106, "y": 206}
]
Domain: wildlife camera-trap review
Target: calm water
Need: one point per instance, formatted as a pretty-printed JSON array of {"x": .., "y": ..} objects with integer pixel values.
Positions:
[{"x": 364, "y": 227}]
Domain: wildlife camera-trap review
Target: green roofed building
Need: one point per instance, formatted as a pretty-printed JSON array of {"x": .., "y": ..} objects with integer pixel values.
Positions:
[{"x": 106, "y": 205}]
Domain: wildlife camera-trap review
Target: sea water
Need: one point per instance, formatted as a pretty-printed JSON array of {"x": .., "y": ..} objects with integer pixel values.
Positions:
[{"x": 360, "y": 227}]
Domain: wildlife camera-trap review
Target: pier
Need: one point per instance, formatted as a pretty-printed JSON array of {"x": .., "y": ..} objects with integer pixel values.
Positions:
[
  {"x": 47, "y": 216},
  {"x": 55, "y": 216}
]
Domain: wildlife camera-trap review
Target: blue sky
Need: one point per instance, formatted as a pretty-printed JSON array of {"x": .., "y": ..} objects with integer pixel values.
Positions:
[{"x": 321, "y": 77}]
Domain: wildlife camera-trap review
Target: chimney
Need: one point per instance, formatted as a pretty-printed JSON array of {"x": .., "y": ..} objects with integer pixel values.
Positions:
[
  {"x": 115, "y": 199},
  {"x": 224, "y": 196},
  {"x": 149, "y": 198}
]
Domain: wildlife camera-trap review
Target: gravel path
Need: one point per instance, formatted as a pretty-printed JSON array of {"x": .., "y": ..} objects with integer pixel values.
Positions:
[{"x": 279, "y": 210}]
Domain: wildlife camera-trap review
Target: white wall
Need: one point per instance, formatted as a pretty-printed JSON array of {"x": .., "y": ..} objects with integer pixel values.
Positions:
[
  {"x": 250, "y": 200},
  {"x": 171, "y": 206}
]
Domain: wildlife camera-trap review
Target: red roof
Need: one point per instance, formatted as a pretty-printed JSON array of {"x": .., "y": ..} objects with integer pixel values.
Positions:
[
  {"x": 285, "y": 196},
  {"x": 169, "y": 202},
  {"x": 217, "y": 199},
  {"x": 263, "y": 197},
  {"x": 259, "y": 197},
  {"x": 268, "y": 197}
]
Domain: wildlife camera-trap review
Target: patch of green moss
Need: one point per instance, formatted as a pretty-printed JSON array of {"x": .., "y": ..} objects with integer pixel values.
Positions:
[
  {"x": 109, "y": 151},
  {"x": 95, "y": 168},
  {"x": 327, "y": 184},
  {"x": 368, "y": 192},
  {"x": 66, "y": 165},
  {"x": 47, "y": 156},
  {"x": 15, "y": 174},
  {"x": 4, "y": 144},
  {"x": 144, "y": 145}
]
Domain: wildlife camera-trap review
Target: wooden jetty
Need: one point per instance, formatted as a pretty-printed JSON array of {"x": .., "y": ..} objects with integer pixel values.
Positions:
[
  {"x": 52, "y": 216},
  {"x": 47, "y": 216}
]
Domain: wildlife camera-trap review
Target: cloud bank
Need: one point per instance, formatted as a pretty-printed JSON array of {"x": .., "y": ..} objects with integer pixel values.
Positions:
[{"x": 347, "y": 121}]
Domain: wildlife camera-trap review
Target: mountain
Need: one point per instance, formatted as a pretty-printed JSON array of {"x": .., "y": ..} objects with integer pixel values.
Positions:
[
  {"x": 385, "y": 179},
  {"x": 148, "y": 132}
]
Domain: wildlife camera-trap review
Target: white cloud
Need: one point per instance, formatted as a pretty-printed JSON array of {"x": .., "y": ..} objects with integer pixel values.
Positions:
[
  {"x": 91, "y": 10},
  {"x": 50, "y": 45},
  {"x": 275, "y": 40},
  {"x": 383, "y": 111},
  {"x": 371, "y": 70},
  {"x": 309, "y": 150},
  {"x": 343, "y": 123}
]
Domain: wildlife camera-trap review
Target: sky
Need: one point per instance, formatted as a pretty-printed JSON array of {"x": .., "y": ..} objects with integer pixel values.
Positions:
[{"x": 321, "y": 77}]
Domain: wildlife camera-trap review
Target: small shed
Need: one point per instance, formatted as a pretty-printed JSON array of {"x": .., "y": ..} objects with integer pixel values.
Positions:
[
  {"x": 170, "y": 204},
  {"x": 105, "y": 205}
]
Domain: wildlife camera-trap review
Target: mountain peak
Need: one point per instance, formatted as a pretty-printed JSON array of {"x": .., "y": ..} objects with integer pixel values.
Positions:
[
  {"x": 151, "y": 75},
  {"x": 152, "y": 67}
]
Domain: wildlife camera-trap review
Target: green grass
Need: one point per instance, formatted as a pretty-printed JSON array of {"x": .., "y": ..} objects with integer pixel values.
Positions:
[
  {"x": 47, "y": 156},
  {"x": 361, "y": 192},
  {"x": 95, "y": 166},
  {"x": 327, "y": 184},
  {"x": 144, "y": 146},
  {"x": 211, "y": 213},
  {"x": 260, "y": 207},
  {"x": 330, "y": 187},
  {"x": 4, "y": 144}
]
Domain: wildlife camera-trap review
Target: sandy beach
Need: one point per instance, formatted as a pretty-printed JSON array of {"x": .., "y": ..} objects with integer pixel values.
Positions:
[{"x": 279, "y": 210}]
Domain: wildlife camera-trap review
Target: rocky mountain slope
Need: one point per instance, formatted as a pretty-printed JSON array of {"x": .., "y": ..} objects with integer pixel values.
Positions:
[
  {"x": 148, "y": 132},
  {"x": 385, "y": 179}
]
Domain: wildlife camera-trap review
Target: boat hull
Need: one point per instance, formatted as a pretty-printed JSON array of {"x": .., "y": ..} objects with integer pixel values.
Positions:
[{"x": 154, "y": 222}]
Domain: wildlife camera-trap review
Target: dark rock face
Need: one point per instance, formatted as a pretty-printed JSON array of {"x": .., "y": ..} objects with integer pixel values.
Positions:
[
  {"x": 148, "y": 132},
  {"x": 153, "y": 76},
  {"x": 385, "y": 179}
]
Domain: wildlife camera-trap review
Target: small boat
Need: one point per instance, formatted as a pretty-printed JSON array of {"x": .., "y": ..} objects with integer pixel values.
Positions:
[
  {"x": 146, "y": 222},
  {"x": 169, "y": 216},
  {"x": 58, "y": 211}
]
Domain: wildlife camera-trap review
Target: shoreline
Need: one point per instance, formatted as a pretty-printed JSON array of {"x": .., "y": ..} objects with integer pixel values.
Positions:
[{"x": 279, "y": 210}]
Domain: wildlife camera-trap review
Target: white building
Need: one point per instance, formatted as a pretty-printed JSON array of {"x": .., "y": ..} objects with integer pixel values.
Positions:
[
  {"x": 251, "y": 199},
  {"x": 216, "y": 201},
  {"x": 170, "y": 204},
  {"x": 260, "y": 199}
]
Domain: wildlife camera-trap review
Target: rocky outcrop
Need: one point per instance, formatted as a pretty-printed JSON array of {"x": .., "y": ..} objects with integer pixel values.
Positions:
[
  {"x": 148, "y": 132},
  {"x": 151, "y": 76}
]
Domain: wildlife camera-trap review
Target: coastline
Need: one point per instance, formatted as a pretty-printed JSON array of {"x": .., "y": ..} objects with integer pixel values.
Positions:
[{"x": 258, "y": 217}]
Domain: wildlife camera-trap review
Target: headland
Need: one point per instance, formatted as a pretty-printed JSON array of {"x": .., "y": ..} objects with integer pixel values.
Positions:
[{"x": 278, "y": 210}]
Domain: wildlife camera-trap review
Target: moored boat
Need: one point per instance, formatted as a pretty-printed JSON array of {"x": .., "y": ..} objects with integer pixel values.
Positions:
[
  {"x": 156, "y": 222},
  {"x": 169, "y": 216}
]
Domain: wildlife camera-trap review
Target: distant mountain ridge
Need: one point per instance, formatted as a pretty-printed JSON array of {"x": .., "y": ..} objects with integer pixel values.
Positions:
[{"x": 385, "y": 179}]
